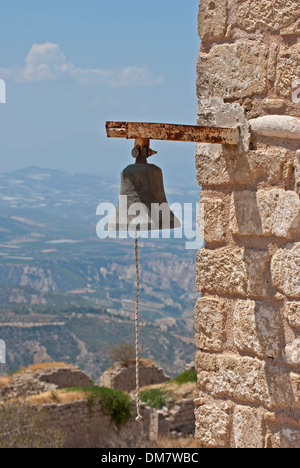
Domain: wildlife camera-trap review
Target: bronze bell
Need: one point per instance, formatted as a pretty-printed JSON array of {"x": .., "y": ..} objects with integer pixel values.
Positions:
[{"x": 142, "y": 204}]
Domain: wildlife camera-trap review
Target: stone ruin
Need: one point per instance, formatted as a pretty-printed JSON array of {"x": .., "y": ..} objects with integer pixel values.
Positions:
[
  {"x": 123, "y": 376},
  {"x": 177, "y": 421},
  {"x": 83, "y": 426},
  {"x": 248, "y": 318},
  {"x": 32, "y": 381}
]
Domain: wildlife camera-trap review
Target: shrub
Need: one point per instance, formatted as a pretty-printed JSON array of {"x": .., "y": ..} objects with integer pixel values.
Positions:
[
  {"x": 185, "y": 377},
  {"x": 154, "y": 397},
  {"x": 117, "y": 403}
]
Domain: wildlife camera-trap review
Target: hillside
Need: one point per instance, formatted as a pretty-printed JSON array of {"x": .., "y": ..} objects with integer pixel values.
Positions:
[{"x": 66, "y": 295}]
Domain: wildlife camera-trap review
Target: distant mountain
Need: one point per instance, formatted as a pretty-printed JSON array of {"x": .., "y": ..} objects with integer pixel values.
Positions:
[{"x": 71, "y": 196}]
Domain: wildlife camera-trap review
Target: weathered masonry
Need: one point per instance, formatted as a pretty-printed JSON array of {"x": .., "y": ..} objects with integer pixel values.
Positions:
[{"x": 248, "y": 315}]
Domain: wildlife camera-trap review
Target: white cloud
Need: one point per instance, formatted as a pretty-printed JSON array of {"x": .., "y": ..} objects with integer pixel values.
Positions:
[
  {"x": 46, "y": 62},
  {"x": 134, "y": 76}
]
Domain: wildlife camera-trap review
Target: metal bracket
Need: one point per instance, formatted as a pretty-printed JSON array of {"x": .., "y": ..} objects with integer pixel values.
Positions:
[
  {"x": 144, "y": 132},
  {"x": 142, "y": 148}
]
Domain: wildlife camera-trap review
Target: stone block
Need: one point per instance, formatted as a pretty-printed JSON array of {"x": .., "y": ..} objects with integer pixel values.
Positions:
[
  {"x": 212, "y": 426},
  {"x": 289, "y": 31},
  {"x": 234, "y": 377},
  {"x": 233, "y": 271},
  {"x": 267, "y": 14},
  {"x": 274, "y": 104},
  {"x": 292, "y": 353},
  {"x": 248, "y": 428},
  {"x": 276, "y": 126},
  {"x": 213, "y": 220},
  {"x": 212, "y": 19},
  {"x": 263, "y": 165},
  {"x": 214, "y": 112},
  {"x": 257, "y": 328},
  {"x": 289, "y": 438},
  {"x": 285, "y": 270},
  {"x": 273, "y": 212},
  {"x": 292, "y": 314},
  {"x": 288, "y": 69},
  {"x": 248, "y": 380},
  {"x": 211, "y": 165},
  {"x": 210, "y": 323},
  {"x": 232, "y": 71},
  {"x": 296, "y": 165},
  {"x": 217, "y": 168},
  {"x": 272, "y": 62}
]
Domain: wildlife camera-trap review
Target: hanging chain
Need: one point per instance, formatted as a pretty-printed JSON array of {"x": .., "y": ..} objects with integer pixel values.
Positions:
[{"x": 138, "y": 401}]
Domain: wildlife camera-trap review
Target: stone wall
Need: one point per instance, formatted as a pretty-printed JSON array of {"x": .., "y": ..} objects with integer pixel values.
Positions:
[
  {"x": 178, "y": 421},
  {"x": 65, "y": 377},
  {"x": 90, "y": 426},
  {"x": 47, "y": 378},
  {"x": 123, "y": 377},
  {"x": 83, "y": 425},
  {"x": 248, "y": 317}
]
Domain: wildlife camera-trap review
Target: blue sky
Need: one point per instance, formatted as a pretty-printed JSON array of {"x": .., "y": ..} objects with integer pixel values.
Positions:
[{"x": 71, "y": 65}]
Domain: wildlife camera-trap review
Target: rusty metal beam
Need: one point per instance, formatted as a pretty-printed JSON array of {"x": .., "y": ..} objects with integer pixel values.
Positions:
[{"x": 170, "y": 132}]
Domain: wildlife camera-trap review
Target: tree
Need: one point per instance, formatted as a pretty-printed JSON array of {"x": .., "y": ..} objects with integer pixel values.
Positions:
[{"x": 122, "y": 353}]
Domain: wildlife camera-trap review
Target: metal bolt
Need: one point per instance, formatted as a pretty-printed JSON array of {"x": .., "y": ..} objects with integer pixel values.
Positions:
[{"x": 135, "y": 152}]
